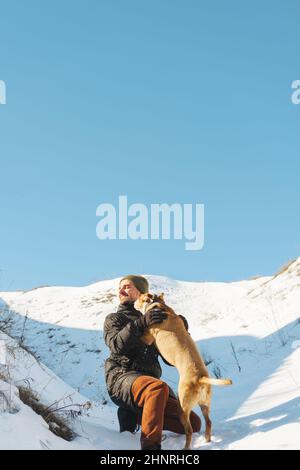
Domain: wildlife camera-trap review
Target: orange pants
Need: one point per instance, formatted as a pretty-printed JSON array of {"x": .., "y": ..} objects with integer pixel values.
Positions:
[{"x": 159, "y": 410}]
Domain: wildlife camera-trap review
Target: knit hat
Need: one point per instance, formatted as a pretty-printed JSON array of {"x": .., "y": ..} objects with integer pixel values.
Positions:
[{"x": 140, "y": 282}]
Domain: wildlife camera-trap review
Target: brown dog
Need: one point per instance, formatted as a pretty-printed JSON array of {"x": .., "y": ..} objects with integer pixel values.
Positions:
[{"x": 177, "y": 347}]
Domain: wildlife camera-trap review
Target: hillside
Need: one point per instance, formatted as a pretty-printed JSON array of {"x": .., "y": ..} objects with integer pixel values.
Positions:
[{"x": 245, "y": 330}]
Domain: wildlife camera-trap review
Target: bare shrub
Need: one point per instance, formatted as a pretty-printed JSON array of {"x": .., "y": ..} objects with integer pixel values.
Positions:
[
  {"x": 217, "y": 371},
  {"x": 56, "y": 424}
]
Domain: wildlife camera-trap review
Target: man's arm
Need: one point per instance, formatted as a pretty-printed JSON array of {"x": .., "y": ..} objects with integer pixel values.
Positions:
[{"x": 119, "y": 338}]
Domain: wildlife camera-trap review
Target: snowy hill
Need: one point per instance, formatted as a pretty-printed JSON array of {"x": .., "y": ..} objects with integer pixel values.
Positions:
[{"x": 246, "y": 330}]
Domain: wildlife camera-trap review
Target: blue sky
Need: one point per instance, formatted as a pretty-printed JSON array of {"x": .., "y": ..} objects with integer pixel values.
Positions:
[{"x": 162, "y": 101}]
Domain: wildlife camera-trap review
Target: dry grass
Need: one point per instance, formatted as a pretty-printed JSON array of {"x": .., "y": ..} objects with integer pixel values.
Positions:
[
  {"x": 255, "y": 277},
  {"x": 285, "y": 267},
  {"x": 56, "y": 424},
  {"x": 6, "y": 322}
]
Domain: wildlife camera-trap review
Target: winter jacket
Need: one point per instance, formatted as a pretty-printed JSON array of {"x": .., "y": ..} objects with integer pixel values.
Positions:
[{"x": 129, "y": 358}]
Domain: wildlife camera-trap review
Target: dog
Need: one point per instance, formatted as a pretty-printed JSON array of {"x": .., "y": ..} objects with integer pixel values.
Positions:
[{"x": 177, "y": 346}]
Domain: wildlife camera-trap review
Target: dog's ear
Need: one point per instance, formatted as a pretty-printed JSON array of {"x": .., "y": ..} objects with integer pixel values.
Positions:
[{"x": 161, "y": 296}]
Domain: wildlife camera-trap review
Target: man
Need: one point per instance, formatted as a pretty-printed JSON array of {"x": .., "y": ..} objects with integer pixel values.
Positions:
[{"x": 133, "y": 371}]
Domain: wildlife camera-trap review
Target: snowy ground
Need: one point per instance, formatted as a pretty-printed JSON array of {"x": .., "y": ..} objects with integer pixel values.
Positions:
[{"x": 249, "y": 331}]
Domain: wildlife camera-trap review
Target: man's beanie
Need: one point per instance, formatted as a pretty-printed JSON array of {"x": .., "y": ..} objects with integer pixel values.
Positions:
[{"x": 140, "y": 282}]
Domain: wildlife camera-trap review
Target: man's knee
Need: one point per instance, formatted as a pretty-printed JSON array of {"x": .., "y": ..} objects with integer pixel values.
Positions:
[{"x": 161, "y": 386}]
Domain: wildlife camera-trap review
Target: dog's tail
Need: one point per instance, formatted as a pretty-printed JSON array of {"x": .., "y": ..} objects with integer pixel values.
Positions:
[{"x": 210, "y": 381}]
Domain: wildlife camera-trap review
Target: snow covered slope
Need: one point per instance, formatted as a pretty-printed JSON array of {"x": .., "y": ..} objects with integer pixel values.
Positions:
[{"x": 247, "y": 330}]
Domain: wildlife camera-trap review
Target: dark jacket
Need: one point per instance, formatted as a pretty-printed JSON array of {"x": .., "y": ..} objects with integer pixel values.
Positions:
[{"x": 129, "y": 358}]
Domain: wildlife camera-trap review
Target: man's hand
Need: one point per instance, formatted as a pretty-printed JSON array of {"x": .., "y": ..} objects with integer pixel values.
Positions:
[
  {"x": 151, "y": 318},
  {"x": 154, "y": 316}
]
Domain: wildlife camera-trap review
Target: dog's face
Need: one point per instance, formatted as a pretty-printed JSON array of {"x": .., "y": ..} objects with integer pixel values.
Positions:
[{"x": 147, "y": 299}]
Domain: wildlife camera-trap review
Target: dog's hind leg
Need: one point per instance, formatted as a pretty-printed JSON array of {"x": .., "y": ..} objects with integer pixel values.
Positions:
[
  {"x": 205, "y": 411},
  {"x": 186, "y": 407},
  {"x": 185, "y": 419}
]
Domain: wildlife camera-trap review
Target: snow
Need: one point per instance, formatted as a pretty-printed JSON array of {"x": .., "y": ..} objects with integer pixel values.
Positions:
[{"x": 248, "y": 330}]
